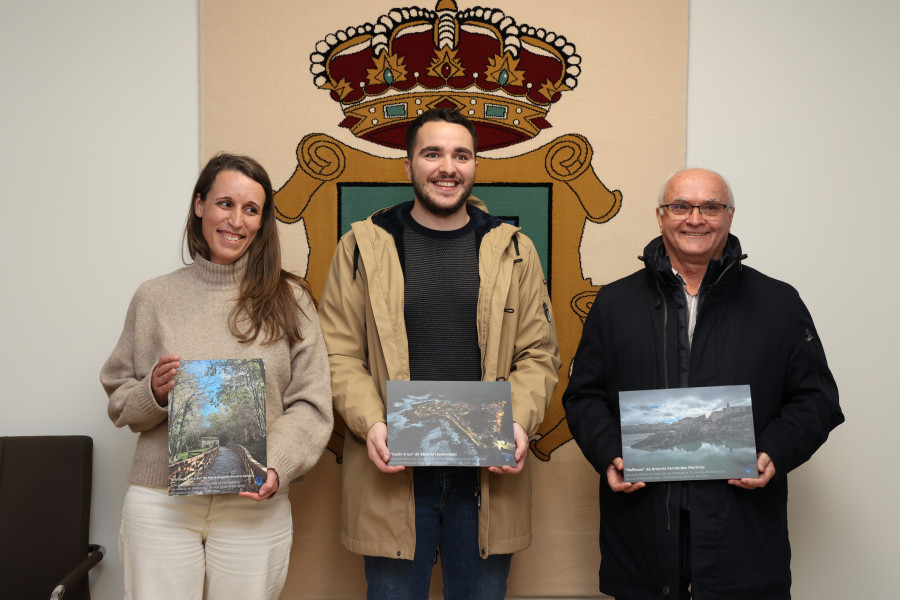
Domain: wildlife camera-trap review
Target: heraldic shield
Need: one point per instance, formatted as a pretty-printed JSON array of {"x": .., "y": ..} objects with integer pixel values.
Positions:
[{"x": 550, "y": 192}]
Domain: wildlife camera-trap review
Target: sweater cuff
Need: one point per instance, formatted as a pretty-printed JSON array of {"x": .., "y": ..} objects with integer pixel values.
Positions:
[{"x": 148, "y": 405}]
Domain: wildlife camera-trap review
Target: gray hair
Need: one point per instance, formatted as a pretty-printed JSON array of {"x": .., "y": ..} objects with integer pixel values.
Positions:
[{"x": 662, "y": 191}]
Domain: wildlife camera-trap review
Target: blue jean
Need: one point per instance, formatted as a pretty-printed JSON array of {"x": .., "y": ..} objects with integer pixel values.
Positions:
[{"x": 446, "y": 523}]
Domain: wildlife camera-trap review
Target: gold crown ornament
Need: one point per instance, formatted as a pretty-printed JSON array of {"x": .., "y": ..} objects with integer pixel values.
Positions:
[{"x": 502, "y": 75}]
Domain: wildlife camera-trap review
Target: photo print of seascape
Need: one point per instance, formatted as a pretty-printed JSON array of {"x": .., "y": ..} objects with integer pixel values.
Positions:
[{"x": 688, "y": 433}]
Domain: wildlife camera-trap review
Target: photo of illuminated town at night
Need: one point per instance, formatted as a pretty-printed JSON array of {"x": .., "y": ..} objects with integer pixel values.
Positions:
[{"x": 462, "y": 423}]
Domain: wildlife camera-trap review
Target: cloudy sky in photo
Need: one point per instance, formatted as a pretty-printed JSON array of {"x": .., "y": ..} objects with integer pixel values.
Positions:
[{"x": 668, "y": 406}]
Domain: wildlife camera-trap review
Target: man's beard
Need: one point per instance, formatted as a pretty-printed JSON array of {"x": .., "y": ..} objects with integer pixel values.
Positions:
[{"x": 439, "y": 210}]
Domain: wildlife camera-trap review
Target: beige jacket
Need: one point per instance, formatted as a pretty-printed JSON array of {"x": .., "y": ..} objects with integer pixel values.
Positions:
[{"x": 363, "y": 323}]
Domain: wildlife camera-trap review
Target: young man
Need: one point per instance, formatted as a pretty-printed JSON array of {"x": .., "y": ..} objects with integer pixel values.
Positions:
[{"x": 436, "y": 289}]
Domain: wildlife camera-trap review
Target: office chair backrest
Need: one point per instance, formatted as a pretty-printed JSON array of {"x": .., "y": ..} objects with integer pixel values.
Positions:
[{"x": 45, "y": 507}]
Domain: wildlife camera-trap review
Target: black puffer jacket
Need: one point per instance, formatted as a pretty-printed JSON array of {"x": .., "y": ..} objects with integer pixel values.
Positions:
[{"x": 751, "y": 329}]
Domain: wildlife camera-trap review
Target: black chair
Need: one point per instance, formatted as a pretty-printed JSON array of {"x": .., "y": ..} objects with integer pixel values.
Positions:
[{"x": 45, "y": 509}]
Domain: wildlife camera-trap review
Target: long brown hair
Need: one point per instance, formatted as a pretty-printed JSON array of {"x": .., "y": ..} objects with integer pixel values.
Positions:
[{"x": 266, "y": 302}]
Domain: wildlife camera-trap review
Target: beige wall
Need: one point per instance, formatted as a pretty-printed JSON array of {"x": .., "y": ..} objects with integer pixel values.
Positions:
[
  {"x": 794, "y": 102},
  {"x": 99, "y": 147}
]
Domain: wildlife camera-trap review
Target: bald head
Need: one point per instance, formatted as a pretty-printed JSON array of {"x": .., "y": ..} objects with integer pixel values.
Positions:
[
  {"x": 728, "y": 197},
  {"x": 695, "y": 236}
]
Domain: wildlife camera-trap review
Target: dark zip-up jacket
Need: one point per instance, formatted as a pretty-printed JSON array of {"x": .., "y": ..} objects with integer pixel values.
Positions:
[{"x": 750, "y": 329}]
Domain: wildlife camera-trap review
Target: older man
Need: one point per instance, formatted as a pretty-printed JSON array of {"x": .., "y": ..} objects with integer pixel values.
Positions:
[{"x": 696, "y": 316}]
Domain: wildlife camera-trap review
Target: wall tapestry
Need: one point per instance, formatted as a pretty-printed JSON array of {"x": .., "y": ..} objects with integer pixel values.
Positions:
[{"x": 580, "y": 112}]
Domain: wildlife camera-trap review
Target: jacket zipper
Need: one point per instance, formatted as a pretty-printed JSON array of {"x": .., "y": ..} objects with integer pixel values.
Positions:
[
  {"x": 665, "y": 357},
  {"x": 666, "y": 370}
]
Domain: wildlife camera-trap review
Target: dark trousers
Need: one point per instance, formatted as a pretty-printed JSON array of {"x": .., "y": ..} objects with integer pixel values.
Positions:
[{"x": 446, "y": 521}]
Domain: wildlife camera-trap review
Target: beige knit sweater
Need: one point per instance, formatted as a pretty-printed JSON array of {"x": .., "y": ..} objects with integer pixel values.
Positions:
[{"x": 186, "y": 313}]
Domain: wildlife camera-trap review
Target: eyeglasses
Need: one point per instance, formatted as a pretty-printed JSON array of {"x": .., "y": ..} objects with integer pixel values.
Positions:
[{"x": 709, "y": 210}]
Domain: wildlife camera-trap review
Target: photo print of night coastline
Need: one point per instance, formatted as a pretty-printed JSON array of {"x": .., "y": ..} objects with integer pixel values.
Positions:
[
  {"x": 688, "y": 433},
  {"x": 450, "y": 423}
]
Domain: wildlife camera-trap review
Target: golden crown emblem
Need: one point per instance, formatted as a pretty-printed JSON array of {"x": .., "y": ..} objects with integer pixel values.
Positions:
[{"x": 502, "y": 75}]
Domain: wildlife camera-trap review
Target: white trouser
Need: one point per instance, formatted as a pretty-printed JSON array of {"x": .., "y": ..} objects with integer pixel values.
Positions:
[{"x": 192, "y": 547}]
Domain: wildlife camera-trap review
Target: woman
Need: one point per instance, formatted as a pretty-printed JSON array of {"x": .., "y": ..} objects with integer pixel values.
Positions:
[{"x": 233, "y": 301}]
